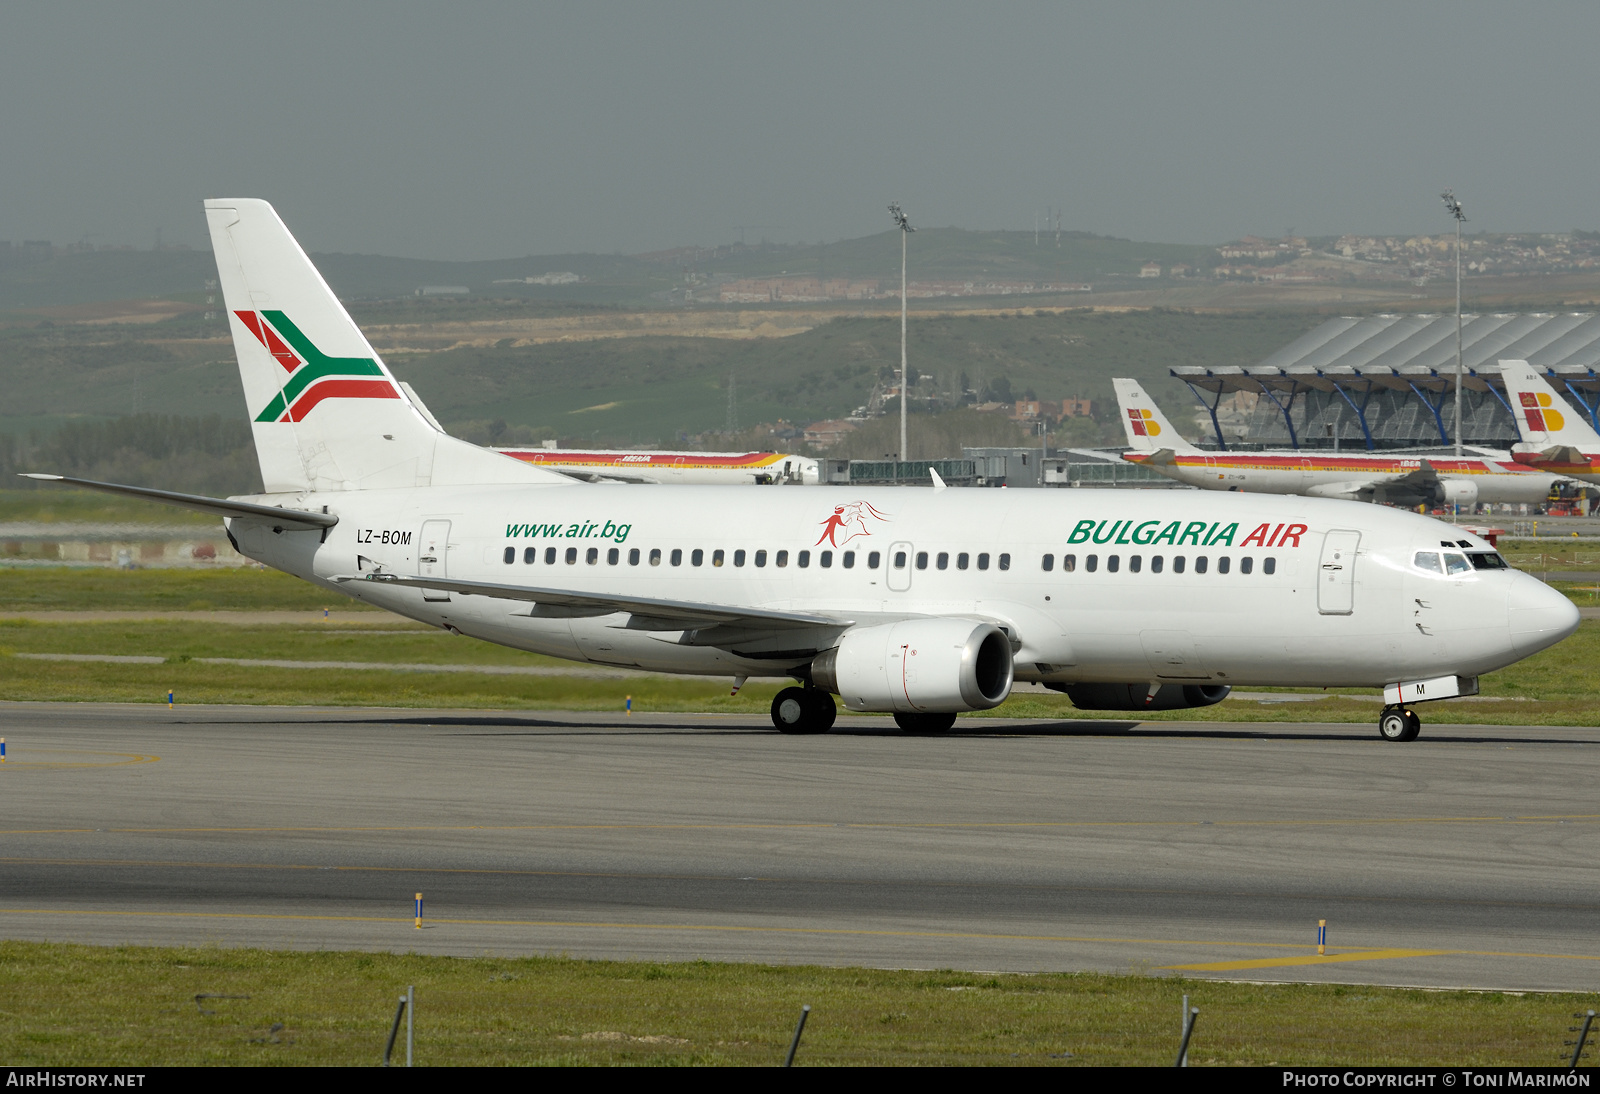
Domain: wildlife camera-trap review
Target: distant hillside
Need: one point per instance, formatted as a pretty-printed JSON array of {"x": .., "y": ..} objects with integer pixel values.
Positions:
[{"x": 936, "y": 254}]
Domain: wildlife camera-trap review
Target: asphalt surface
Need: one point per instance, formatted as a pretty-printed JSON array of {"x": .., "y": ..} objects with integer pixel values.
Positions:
[{"x": 1468, "y": 858}]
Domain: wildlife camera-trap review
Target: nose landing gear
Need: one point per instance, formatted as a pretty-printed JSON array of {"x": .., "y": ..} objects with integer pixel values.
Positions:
[
  {"x": 803, "y": 710},
  {"x": 1399, "y": 724}
]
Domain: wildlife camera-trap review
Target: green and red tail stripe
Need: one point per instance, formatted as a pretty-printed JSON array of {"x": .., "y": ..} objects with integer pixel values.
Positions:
[{"x": 312, "y": 375}]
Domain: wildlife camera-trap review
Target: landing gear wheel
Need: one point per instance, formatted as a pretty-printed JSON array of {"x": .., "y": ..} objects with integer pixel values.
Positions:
[
  {"x": 1398, "y": 724},
  {"x": 822, "y": 708},
  {"x": 803, "y": 710},
  {"x": 925, "y": 723}
]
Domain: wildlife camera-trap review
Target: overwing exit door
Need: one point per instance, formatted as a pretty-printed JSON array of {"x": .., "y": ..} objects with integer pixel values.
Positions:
[
  {"x": 432, "y": 555},
  {"x": 899, "y": 573},
  {"x": 1336, "y": 573}
]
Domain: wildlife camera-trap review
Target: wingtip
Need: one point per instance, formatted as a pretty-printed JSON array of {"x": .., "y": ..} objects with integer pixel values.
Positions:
[{"x": 39, "y": 475}]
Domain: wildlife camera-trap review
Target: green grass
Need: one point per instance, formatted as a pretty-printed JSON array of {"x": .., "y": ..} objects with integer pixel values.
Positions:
[
  {"x": 49, "y": 505},
  {"x": 136, "y": 1006},
  {"x": 1554, "y": 687},
  {"x": 35, "y": 589}
]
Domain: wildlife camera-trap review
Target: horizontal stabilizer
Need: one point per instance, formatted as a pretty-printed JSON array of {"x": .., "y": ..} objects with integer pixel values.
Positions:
[
  {"x": 663, "y": 615},
  {"x": 221, "y": 507}
]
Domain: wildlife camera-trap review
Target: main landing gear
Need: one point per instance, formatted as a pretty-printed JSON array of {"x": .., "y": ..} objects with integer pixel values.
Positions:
[
  {"x": 1399, "y": 724},
  {"x": 803, "y": 710}
]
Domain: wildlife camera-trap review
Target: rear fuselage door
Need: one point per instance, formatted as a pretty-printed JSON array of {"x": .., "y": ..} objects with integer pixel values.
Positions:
[
  {"x": 1336, "y": 573},
  {"x": 432, "y": 550},
  {"x": 899, "y": 579}
]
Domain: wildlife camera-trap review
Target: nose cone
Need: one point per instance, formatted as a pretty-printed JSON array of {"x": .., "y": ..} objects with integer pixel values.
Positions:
[{"x": 1540, "y": 616}]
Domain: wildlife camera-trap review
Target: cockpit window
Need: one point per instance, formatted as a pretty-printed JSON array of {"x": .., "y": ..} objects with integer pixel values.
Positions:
[
  {"x": 1456, "y": 564},
  {"x": 1428, "y": 560},
  {"x": 1487, "y": 560}
]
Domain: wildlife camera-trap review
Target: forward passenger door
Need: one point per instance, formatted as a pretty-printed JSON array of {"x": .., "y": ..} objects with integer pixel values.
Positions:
[{"x": 1336, "y": 573}]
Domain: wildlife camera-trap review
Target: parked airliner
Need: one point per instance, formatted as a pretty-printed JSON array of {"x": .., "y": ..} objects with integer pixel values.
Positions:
[
  {"x": 1402, "y": 479},
  {"x": 918, "y": 602},
  {"x": 1555, "y": 438}
]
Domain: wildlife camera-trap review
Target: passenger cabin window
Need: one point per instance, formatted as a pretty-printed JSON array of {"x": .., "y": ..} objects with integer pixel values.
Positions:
[
  {"x": 633, "y": 556},
  {"x": 613, "y": 556},
  {"x": 655, "y": 556},
  {"x": 943, "y": 561},
  {"x": 983, "y": 562},
  {"x": 761, "y": 558},
  {"x": 549, "y": 556},
  {"x": 782, "y": 559},
  {"x": 572, "y": 556},
  {"x": 899, "y": 560},
  {"x": 1091, "y": 563},
  {"x": 530, "y": 555},
  {"x": 1246, "y": 565},
  {"x": 716, "y": 557},
  {"x": 1177, "y": 564},
  {"x": 738, "y": 558},
  {"x": 1005, "y": 562},
  {"x": 922, "y": 560},
  {"x": 1134, "y": 563},
  {"x": 961, "y": 561},
  {"x": 802, "y": 559},
  {"x": 592, "y": 555},
  {"x": 873, "y": 558},
  {"x": 1456, "y": 564},
  {"x": 1222, "y": 564},
  {"x": 510, "y": 555},
  {"x": 1047, "y": 563},
  {"x": 1269, "y": 565},
  {"x": 825, "y": 559},
  {"x": 1069, "y": 563},
  {"x": 1113, "y": 563},
  {"x": 677, "y": 556},
  {"x": 697, "y": 557},
  {"x": 849, "y": 560},
  {"x": 1200, "y": 564},
  {"x": 1155, "y": 564}
]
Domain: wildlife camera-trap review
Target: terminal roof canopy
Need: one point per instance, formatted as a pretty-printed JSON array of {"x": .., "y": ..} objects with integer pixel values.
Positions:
[
  {"x": 1399, "y": 351},
  {"x": 1389, "y": 380}
]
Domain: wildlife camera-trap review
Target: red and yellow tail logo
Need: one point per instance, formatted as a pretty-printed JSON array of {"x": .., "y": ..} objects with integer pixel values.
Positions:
[
  {"x": 312, "y": 375},
  {"x": 1539, "y": 414},
  {"x": 1144, "y": 423}
]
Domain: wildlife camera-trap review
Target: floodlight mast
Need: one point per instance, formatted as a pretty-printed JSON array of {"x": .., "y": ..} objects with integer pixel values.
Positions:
[
  {"x": 906, "y": 229},
  {"x": 1453, "y": 207}
]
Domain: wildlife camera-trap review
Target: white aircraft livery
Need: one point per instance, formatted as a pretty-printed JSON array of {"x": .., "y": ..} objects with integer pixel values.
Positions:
[
  {"x": 1404, "y": 479},
  {"x": 917, "y": 602},
  {"x": 1554, "y": 435}
]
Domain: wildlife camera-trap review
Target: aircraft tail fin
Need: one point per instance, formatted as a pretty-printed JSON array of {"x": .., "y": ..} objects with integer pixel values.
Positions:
[
  {"x": 1544, "y": 419},
  {"x": 325, "y": 411},
  {"x": 1147, "y": 428}
]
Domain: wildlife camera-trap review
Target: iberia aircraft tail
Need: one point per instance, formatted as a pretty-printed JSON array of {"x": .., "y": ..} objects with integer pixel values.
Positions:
[
  {"x": 1148, "y": 429},
  {"x": 325, "y": 410},
  {"x": 1544, "y": 419}
]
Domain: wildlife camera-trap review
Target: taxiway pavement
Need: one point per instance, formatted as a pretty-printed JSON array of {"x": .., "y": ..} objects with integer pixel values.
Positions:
[{"x": 1468, "y": 858}]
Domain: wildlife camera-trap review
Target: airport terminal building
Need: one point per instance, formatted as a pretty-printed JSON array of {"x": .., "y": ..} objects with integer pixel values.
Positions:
[{"x": 1388, "y": 381}]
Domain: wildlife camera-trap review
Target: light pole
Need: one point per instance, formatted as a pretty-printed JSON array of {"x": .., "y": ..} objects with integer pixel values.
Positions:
[
  {"x": 905, "y": 379},
  {"x": 1453, "y": 207}
]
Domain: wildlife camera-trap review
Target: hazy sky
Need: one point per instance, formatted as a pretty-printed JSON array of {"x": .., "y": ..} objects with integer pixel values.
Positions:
[{"x": 462, "y": 130}]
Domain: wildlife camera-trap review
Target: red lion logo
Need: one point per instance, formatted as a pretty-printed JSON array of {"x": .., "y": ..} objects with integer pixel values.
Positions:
[{"x": 851, "y": 520}]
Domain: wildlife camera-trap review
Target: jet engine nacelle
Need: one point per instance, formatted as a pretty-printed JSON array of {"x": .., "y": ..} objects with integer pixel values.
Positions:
[
  {"x": 1458, "y": 492},
  {"x": 919, "y": 665},
  {"x": 1138, "y": 697}
]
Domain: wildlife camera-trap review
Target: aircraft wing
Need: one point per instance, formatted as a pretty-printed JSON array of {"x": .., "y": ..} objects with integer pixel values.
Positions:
[
  {"x": 221, "y": 507},
  {"x": 648, "y": 613}
]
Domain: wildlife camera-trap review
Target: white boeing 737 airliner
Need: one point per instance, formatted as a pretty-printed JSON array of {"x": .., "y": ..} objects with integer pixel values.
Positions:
[{"x": 917, "y": 602}]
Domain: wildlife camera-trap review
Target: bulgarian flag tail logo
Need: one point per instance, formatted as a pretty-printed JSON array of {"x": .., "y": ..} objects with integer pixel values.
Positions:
[{"x": 311, "y": 376}]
